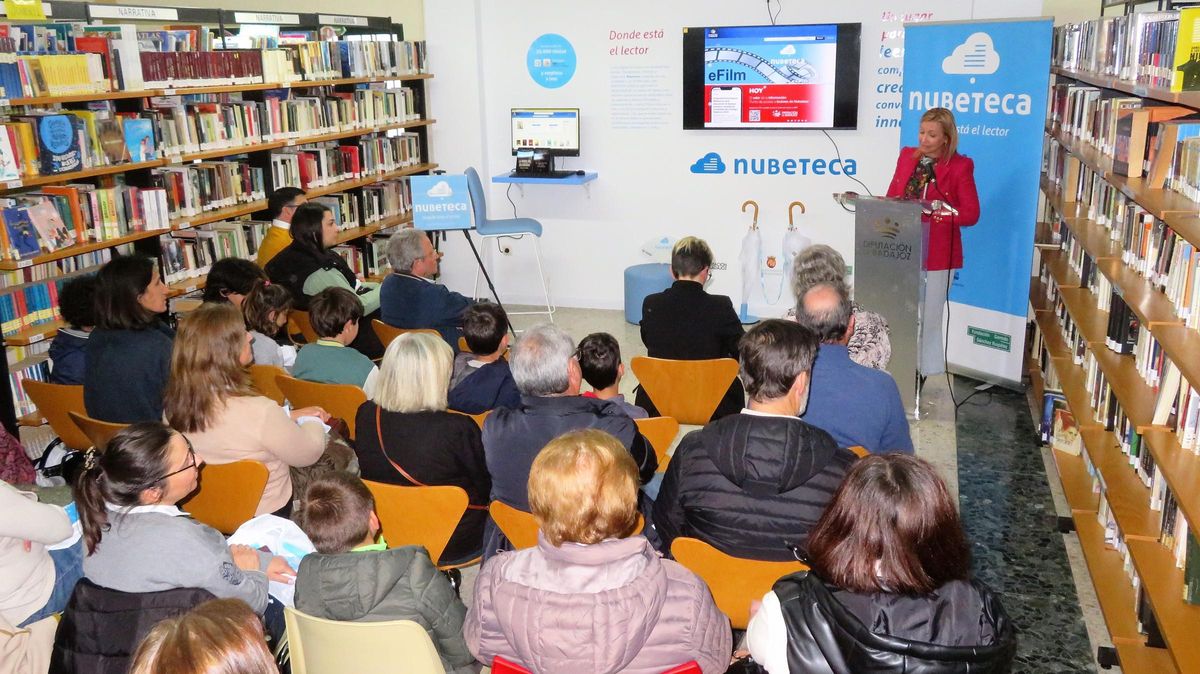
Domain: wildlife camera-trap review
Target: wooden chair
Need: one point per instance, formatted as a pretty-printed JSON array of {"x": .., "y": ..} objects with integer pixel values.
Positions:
[
  {"x": 263, "y": 378},
  {"x": 502, "y": 666},
  {"x": 340, "y": 400},
  {"x": 660, "y": 432},
  {"x": 424, "y": 516},
  {"x": 55, "y": 402},
  {"x": 479, "y": 418},
  {"x": 734, "y": 582},
  {"x": 319, "y": 646},
  {"x": 298, "y": 323},
  {"x": 387, "y": 333},
  {"x": 228, "y": 495},
  {"x": 688, "y": 390},
  {"x": 520, "y": 528},
  {"x": 859, "y": 451},
  {"x": 99, "y": 432}
]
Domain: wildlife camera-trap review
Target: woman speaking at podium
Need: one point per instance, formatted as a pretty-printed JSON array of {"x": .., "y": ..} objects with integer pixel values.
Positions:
[{"x": 934, "y": 171}]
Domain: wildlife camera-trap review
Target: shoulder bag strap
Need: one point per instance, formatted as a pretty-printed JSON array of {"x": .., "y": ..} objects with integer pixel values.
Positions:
[{"x": 383, "y": 449}]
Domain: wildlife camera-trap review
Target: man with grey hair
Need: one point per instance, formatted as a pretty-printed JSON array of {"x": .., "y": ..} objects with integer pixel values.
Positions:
[
  {"x": 410, "y": 298},
  {"x": 857, "y": 405},
  {"x": 548, "y": 375}
]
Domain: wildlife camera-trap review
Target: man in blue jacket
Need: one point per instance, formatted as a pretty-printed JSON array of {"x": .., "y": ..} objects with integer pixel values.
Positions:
[
  {"x": 856, "y": 405},
  {"x": 410, "y": 299}
]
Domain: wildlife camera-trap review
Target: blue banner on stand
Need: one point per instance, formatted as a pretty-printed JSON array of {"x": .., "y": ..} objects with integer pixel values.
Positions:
[
  {"x": 441, "y": 202},
  {"x": 993, "y": 75}
]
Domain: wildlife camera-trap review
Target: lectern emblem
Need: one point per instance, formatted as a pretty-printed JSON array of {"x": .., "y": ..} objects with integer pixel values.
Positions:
[{"x": 889, "y": 229}]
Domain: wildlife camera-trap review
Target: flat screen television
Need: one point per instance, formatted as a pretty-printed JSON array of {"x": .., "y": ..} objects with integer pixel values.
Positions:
[{"x": 771, "y": 77}]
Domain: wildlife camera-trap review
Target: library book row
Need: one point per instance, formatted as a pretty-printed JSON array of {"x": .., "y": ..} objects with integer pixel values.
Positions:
[{"x": 1157, "y": 50}]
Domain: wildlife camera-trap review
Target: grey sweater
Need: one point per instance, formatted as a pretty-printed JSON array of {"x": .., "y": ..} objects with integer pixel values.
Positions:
[{"x": 149, "y": 548}]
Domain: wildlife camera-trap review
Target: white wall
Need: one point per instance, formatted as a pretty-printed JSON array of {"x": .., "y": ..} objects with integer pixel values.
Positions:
[
  {"x": 409, "y": 12},
  {"x": 645, "y": 190},
  {"x": 1070, "y": 11}
]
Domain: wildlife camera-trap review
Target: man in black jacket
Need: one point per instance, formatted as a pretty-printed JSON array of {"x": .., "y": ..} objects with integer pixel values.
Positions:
[
  {"x": 684, "y": 322},
  {"x": 754, "y": 484},
  {"x": 548, "y": 375}
]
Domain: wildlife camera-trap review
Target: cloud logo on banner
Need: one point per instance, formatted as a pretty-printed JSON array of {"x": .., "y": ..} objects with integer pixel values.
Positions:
[
  {"x": 975, "y": 56},
  {"x": 709, "y": 163},
  {"x": 789, "y": 50},
  {"x": 440, "y": 190}
]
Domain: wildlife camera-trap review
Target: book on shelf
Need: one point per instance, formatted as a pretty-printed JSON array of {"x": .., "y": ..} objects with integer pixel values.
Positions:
[
  {"x": 193, "y": 189},
  {"x": 190, "y": 253},
  {"x": 29, "y": 362},
  {"x": 1165, "y": 165},
  {"x": 1191, "y": 570},
  {"x": 29, "y": 306},
  {"x": 1185, "y": 75},
  {"x": 1065, "y": 433}
]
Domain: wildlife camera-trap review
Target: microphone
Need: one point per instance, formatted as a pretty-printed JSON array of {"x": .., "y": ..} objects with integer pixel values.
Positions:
[{"x": 927, "y": 164}]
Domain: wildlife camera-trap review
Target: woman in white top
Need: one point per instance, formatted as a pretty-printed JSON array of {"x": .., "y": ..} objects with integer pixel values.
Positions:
[{"x": 34, "y": 582}]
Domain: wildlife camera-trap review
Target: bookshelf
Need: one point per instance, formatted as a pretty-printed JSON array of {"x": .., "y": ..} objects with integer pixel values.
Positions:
[
  {"x": 1130, "y": 468},
  {"x": 367, "y": 87}
]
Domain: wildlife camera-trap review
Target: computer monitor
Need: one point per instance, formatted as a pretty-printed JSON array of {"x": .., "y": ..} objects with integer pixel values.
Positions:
[{"x": 555, "y": 130}]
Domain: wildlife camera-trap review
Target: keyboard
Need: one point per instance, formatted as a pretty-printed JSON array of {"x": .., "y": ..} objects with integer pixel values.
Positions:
[{"x": 541, "y": 174}]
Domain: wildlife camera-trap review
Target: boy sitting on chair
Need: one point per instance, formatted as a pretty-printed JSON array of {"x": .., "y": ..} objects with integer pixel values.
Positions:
[
  {"x": 599, "y": 357},
  {"x": 353, "y": 576},
  {"x": 334, "y": 314},
  {"x": 482, "y": 380}
]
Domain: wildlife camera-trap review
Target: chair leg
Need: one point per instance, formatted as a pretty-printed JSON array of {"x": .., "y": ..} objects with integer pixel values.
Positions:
[{"x": 537, "y": 251}]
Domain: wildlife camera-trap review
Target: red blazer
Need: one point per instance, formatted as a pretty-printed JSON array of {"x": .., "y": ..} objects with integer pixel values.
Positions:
[{"x": 956, "y": 186}]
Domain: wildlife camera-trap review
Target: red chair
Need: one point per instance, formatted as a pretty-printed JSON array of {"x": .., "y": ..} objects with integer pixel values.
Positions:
[{"x": 502, "y": 666}]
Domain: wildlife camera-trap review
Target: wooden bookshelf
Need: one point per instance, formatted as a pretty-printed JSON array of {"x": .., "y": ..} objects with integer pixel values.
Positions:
[
  {"x": 1136, "y": 657},
  {"x": 1150, "y": 304},
  {"x": 1076, "y": 483},
  {"x": 1182, "y": 345},
  {"x": 1190, "y": 99},
  {"x": 21, "y": 286},
  {"x": 1180, "y": 467},
  {"x": 1178, "y": 620},
  {"x": 291, "y": 142},
  {"x": 1052, "y": 336},
  {"x": 1114, "y": 589},
  {"x": 28, "y": 362},
  {"x": 368, "y": 180},
  {"x": 80, "y": 249},
  {"x": 33, "y": 334}
]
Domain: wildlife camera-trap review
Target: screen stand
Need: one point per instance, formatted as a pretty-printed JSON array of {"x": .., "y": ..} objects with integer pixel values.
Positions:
[{"x": 487, "y": 277}]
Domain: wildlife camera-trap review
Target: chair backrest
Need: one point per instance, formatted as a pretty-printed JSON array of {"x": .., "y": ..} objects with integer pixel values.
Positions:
[
  {"x": 340, "y": 400},
  {"x": 263, "y": 378},
  {"x": 734, "y": 582},
  {"x": 503, "y": 666},
  {"x": 228, "y": 495},
  {"x": 319, "y": 646},
  {"x": 688, "y": 390},
  {"x": 99, "y": 432},
  {"x": 660, "y": 432},
  {"x": 54, "y": 402},
  {"x": 520, "y": 527},
  {"x": 478, "y": 198},
  {"x": 859, "y": 451},
  {"x": 386, "y": 333},
  {"x": 479, "y": 418},
  {"x": 299, "y": 319},
  {"x": 691, "y": 667},
  {"x": 424, "y": 516}
]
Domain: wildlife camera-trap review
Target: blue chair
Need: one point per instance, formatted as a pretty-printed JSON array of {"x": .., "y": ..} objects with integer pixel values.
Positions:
[{"x": 515, "y": 228}]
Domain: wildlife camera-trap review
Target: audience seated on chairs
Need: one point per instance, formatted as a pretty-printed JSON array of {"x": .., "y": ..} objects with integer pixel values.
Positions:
[
  {"x": 266, "y": 310},
  {"x": 870, "y": 342},
  {"x": 857, "y": 405},
  {"x": 889, "y": 589},
  {"x": 68, "y": 350},
  {"x": 129, "y": 352},
  {"x": 336, "y": 316},
  {"x": 753, "y": 484},
  {"x": 406, "y": 437},
  {"x": 35, "y": 583},
  {"x": 354, "y": 576},
  {"x": 482, "y": 379},
  {"x": 591, "y": 597},
  {"x": 308, "y": 266},
  {"x": 410, "y": 298},
  {"x": 548, "y": 375},
  {"x": 221, "y": 636},
  {"x": 281, "y": 205},
  {"x": 210, "y": 399},
  {"x": 230, "y": 279},
  {"x": 686, "y": 323},
  {"x": 599, "y": 357}
]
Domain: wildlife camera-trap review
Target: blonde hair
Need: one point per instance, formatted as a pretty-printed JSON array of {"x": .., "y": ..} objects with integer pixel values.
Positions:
[
  {"x": 415, "y": 374},
  {"x": 205, "y": 366},
  {"x": 690, "y": 256},
  {"x": 583, "y": 489},
  {"x": 945, "y": 118},
  {"x": 223, "y": 636}
]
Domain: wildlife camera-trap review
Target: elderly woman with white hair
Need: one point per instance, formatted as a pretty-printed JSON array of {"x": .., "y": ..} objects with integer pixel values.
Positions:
[
  {"x": 410, "y": 298},
  {"x": 406, "y": 436},
  {"x": 870, "y": 344}
]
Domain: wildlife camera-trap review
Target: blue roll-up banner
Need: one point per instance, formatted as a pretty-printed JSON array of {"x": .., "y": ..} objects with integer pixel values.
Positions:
[
  {"x": 993, "y": 75},
  {"x": 441, "y": 202}
]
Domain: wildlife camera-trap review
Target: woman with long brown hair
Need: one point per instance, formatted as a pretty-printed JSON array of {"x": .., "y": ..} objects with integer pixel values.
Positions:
[
  {"x": 209, "y": 397},
  {"x": 890, "y": 587}
]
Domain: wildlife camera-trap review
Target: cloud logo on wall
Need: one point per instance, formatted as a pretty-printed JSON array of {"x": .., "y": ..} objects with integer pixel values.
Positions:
[
  {"x": 709, "y": 163},
  {"x": 788, "y": 50},
  {"x": 440, "y": 191},
  {"x": 975, "y": 56}
]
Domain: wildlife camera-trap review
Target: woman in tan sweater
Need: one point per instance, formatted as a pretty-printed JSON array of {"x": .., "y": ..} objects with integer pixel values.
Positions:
[{"x": 209, "y": 399}]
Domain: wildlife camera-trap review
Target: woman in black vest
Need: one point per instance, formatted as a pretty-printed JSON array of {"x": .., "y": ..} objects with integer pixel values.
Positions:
[
  {"x": 889, "y": 589},
  {"x": 308, "y": 266}
]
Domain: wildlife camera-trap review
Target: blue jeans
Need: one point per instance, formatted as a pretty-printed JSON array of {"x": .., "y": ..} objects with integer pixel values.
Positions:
[{"x": 68, "y": 569}]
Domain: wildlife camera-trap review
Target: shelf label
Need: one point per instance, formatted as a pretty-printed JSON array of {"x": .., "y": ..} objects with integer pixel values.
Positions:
[
  {"x": 265, "y": 17},
  {"x": 12, "y": 184},
  {"x": 339, "y": 20},
  {"x": 127, "y": 12},
  {"x": 24, "y": 263},
  {"x": 4, "y": 103},
  {"x": 37, "y": 338}
]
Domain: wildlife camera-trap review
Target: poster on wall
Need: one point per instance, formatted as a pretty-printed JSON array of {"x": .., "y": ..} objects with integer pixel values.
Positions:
[{"x": 993, "y": 77}]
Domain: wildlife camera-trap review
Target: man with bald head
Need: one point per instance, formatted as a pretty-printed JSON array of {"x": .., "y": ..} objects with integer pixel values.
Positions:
[{"x": 856, "y": 405}]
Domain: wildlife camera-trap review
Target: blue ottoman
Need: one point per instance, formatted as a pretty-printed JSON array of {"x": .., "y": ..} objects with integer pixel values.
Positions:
[{"x": 642, "y": 280}]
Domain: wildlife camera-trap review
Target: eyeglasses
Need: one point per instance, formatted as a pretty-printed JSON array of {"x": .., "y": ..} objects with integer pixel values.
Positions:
[{"x": 191, "y": 463}]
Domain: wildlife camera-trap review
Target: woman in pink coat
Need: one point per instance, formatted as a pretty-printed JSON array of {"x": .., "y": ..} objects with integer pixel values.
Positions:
[{"x": 591, "y": 597}]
